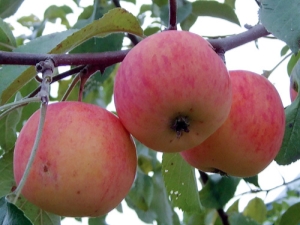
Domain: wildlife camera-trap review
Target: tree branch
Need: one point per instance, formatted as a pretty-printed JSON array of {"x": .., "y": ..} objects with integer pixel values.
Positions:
[
  {"x": 230, "y": 42},
  {"x": 223, "y": 216},
  {"x": 172, "y": 15},
  {"x": 104, "y": 59}
]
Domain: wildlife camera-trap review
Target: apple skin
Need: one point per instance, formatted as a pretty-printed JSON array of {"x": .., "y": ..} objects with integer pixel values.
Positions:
[
  {"x": 251, "y": 136},
  {"x": 85, "y": 164},
  {"x": 293, "y": 89},
  {"x": 169, "y": 75}
]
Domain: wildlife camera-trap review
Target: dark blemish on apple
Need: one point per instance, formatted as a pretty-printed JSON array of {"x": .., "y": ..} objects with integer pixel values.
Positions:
[
  {"x": 191, "y": 110},
  {"x": 78, "y": 192},
  {"x": 45, "y": 168},
  {"x": 180, "y": 124},
  {"x": 13, "y": 188}
]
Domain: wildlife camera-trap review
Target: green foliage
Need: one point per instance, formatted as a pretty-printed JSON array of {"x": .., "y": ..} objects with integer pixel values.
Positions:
[
  {"x": 213, "y": 195},
  {"x": 7, "y": 182},
  {"x": 282, "y": 20},
  {"x": 180, "y": 181},
  {"x": 159, "y": 187},
  {"x": 8, "y": 8},
  {"x": 7, "y": 39},
  {"x": 10, "y": 214}
]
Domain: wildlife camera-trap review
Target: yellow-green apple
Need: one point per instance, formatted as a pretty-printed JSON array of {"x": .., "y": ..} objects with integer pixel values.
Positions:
[
  {"x": 172, "y": 91},
  {"x": 251, "y": 136},
  {"x": 85, "y": 163}
]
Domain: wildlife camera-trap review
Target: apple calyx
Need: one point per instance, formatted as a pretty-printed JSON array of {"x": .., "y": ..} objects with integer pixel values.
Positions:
[{"x": 180, "y": 124}]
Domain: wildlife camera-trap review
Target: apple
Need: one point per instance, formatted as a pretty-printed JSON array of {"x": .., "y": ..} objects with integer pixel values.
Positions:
[
  {"x": 251, "y": 136},
  {"x": 165, "y": 94},
  {"x": 85, "y": 163},
  {"x": 293, "y": 88}
]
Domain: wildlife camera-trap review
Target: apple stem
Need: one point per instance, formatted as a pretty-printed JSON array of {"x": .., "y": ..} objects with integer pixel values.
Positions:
[
  {"x": 46, "y": 68},
  {"x": 180, "y": 124},
  {"x": 19, "y": 188},
  {"x": 172, "y": 15},
  {"x": 19, "y": 103}
]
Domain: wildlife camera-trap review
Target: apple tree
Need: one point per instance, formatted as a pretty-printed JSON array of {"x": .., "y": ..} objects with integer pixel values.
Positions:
[{"x": 173, "y": 95}]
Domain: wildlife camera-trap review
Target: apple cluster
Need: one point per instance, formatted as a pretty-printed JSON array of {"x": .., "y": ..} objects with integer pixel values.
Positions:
[{"x": 172, "y": 93}]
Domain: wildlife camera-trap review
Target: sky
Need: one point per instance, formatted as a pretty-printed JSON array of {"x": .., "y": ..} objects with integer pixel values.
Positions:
[{"x": 246, "y": 57}]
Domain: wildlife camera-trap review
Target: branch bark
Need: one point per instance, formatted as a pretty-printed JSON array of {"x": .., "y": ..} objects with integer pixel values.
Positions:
[{"x": 220, "y": 45}]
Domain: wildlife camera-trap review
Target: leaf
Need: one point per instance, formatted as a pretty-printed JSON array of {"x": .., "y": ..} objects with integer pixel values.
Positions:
[
  {"x": 116, "y": 20},
  {"x": 7, "y": 39},
  {"x": 8, "y": 8},
  {"x": 282, "y": 19},
  {"x": 291, "y": 216},
  {"x": 215, "y": 9},
  {"x": 231, "y": 3},
  {"x": 284, "y": 50},
  {"x": 188, "y": 22},
  {"x": 180, "y": 182},
  {"x": 54, "y": 12},
  {"x": 252, "y": 180},
  {"x": 159, "y": 208},
  {"x": 7, "y": 182},
  {"x": 10, "y": 214},
  {"x": 8, "y": 125},
  {"x": 256, "y": 209},
  {"x": 36, "y": 215},
  {"x": 292, "y": 62},
  {"x": 238, "y": 219},
  {"x": 290, "y": 151},
  {"x": 98, "y": 220},
  {"x": 142, "y": 191},
  {"x": 213, "y": 195}
]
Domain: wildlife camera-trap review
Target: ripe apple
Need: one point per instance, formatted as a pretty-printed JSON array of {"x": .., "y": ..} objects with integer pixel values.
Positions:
[
  {"x": 293, "y": 89},
  {"x": 251, "y": 136},
  {"x": 172, "y": 91},
  {"x": 85, "y": 163}
]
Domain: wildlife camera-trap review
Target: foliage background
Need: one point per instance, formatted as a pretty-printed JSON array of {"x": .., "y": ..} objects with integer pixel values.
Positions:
[{"x": 257, "y": 56}]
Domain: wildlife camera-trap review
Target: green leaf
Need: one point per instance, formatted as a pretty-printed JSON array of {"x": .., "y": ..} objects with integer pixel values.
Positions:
[
  {"x": 180, "y": 181},
  {"x": 36, "y": 215},
  {"x": 291, "y": 216},
  {"x": 159, "y": 208},
  {"x": 290, "y": 151},
  {"x": 132, "y": 1},
  {"x": 7, "y": 182},
  {"x": 281, "y": 18},
  {"x": 8, "y": 8},
  {"x": 231, "y": 3},
  {"x": 284, "y": 50},
  {"x": 252, "y": 180},
  {"x": 98, "y": 220},
  {"x": 188, "y": 22},
  {"x": 240, "y": 219},
  {"x": 7, "y": 39},
  {"x": 256, "y": 209},
  {"x": 213, "y": 195},
  {"x": 116, "y": 20},
  {"x": 8, "y": 125},
  {"x": 215, "y": 9},
  {"x": 142, "y": 191},
  {"x": 54, "y": 12},
  {"x": 10, "y": 214},
  {"x": 292, "y": 62}
]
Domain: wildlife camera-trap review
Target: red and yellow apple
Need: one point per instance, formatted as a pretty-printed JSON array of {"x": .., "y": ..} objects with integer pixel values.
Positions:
[
  {"x": 251, "y": 136},
  {"x": 172, "y": 91},
  {"x": 85, "y": 163}
]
